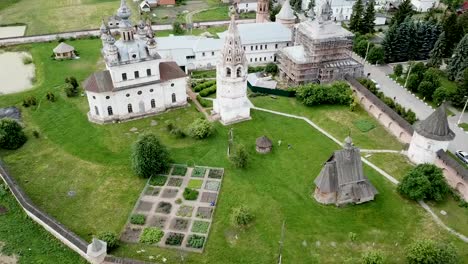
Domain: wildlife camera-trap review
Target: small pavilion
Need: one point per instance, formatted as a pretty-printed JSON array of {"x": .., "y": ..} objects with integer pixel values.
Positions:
[
  {"x": 263, "y": 145},
  {"x": 64, "y": 51}
]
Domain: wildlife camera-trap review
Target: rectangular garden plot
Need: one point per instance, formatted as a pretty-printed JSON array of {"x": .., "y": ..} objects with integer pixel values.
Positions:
[{"x": 175, "y": 209}]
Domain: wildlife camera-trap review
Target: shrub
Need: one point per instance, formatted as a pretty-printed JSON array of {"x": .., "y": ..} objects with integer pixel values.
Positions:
[
  {"x": 158, "y": 180},
  {"x": 178, "y": 201},
  {"x": 239, "y": 158},
  {"x": 149, "y": 156},
  {"x": 138, "y": 219},
  {"x": 177, "y": 28},
  {"x": 180, "y": 170},
  {"x": 110, "y": 238},
  {"x": 431, "y": 252},
  {"x": 241, "y": 216},
  {"x": 426, "y": 89},
  {"x": 413, "y": 82},
  {"x": 70, "y": 91},
  {"x": 271, "y": 68},
  {"x": 372, "y": 257},
  {"x": 174, "y": 239},
  {"x": 200, "y": 128},
  {"x": 439, "y": 95},
  {"x": 316, "y": 94},
  {"x": 175, "y": 131},
  {"x": 352, "y": 236},
  {"x": 208, "y": 91},
  {"x": 203, "y": 85},
  {"x": 36, "y": 134},
  {"x": 190, "y": 194},
  {"x": 376, "y": 55},
  {"x": 198, "y": 172},
  {"x": 27, "y": 60},
  {"x": 252, "y": 69},
  {"x": 200, "y": 226},
  {"x": 425, "y": 181},
  {"x": 398, "y": 70},
  {"x": 196, "y": 241},
  {"x": 29, "y": 101},
  {"x": 50, "y": 96},
  {"x": 11, "y": 134},
  {"x": 151, "y": 235}
]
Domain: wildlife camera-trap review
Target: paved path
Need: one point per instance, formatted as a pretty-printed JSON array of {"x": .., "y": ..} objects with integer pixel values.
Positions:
[
  {"x": 408, "y": 100},
  {"x": 200, "y": 108},
  {"x": 379, "y": 170}
]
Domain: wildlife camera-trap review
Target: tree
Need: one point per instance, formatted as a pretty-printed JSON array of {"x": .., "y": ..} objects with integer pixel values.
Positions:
[
  {"x": 72, "y": 80},
  {"x": 149, "y": 156},
  {"x": 413, "y": 82},
  {"x": 437, "y": 53},
  {"x": 361, "y": 47},
  {"x": 425, "y": 181},
  {"x": 431, "y": 252},
  {"x": 110, "y": 238},
  {"x": 241, "y": 216},
  {"x": 372, "y": 257},
  {"x": 11, "y": 134},
  {"x": 239, "y": 158},
  {"x": 356, "y": 19},
  {"x": 432, "y": 75},
  {"x": 389, "y": 43},
  {"x": 71, "y": 87},
  {"x": 271, "y": 68},
  {"x": 398, "y": 70},
  {"x": 376, "y": 55},
  {"x": 439, "y": 95},
  {"x": 463, "y": 22},
  {"x": 453, "y": 33},
  {"x": 404, "y": 10},
  {"x": 418, "y": 69},
  {"x": 274, "y": 10},
  {"x": 200, "y": 128},
  {"x": 177, "y": 28},
  {"x": 368, "y": 20},
  {"x": 426, "y": 89},
  {"x": 459, "y": 62},
  {"x": 458, "y": 97}
]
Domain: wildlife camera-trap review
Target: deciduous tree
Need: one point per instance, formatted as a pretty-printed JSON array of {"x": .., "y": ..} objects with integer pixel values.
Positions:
[
  {"x": 424, "y": 182},
  {"x": 11, "y": 134},
  {"x": 149, "y": 156}
]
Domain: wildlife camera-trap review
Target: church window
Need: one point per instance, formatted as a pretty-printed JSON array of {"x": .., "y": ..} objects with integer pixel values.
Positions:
[
  {"x": 256, "y": 47},
  {"x": 174, "y": 98},
  {"x": 276, "y": 46},
  {"x": 139, "y": 92},
  {"x": 255, "y": 59},
  {"x": 212, "y": 53},
  {"x": 130, "y": 108},
  {"x": 148, "y": 72},
  {"x": 228, "y": 72},
  {"x": 244, "y": 47},
  {"x": 251, "y": 47},
  {"x": 260, "y": 59},
  {"x": 94, "y": 97},
  {"x": 128, "y": 95},
  {"x": 96, "y": 110},
  {"x": 137, "y": 74},
  {"x": 287, "y": 44},
  {"x": 264, "y": 58},
  {"x": 239, "y": 71},
  {"x": 250, "y": 59},
  {"x": 134, "y": 56},
  {"x": 124, "y": 76},
  {"x": 246, "y": 5},
  {"x": 261, "y": 47},
  {"x": 203, "y": 54},
  {"x": 109, "y": 111},
  {"x": 107, "y": 97},
  {"x": 266, "y": 46},
  {"x": 153, "y": 103},
  {"x": 172, "y": 84},
  {"x": 151, "y": 90}
]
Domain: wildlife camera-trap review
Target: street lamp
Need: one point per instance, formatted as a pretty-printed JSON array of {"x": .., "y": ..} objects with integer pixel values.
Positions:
[
  {"x": 463, "y": 111},
  {"x": 407, "y": 76}
]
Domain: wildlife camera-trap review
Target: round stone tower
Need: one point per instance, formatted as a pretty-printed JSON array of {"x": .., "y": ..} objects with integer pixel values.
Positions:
[{"x": 430, "y": 135}]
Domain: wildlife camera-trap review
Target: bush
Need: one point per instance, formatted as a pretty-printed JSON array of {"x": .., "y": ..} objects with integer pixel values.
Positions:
[
  {"x": 241, "y": 216},
  {"x": 50, "y": 96},
  {"x": 11, "y": 134},
  {"x": 271, "y": 68},
  {"x": 29, "y": 101},
  {"x": 174, "y": 239},
  {"x": 177, "y": 28},
  {"x": 149, "y": 156},
  {"x": 398, "y": 70},
  {"x": 200, "y": 128},
  {"x": 252, "y": 69},
  {"x": 180, "y": 170},
  {"x": 239, "y": 158},
  {"x": 36, "y": 134},
  {"x": 138, "y": 219},
  {"x": 203, "y": 85},
  {"x": 425, "y": 181},
  {"x": 439, "y": 95},
  {"x": 110, "y": 238},
  {"x": 413, "y": 82},
  {"x": 190, "y": 194},
  {"x": 151, "y": 235},
  {"x": 431, "y": 252},
  {"x": 376, "y": 55},
  {"x": 198, "y": 172},
  {"x": 337, "y": 93},
  {"x": 196, "y": 241},
  {"x": 175, "y": 131},
  {"x": 27, "y": 60},
  {"x": 426, "y": 89},
  {"x": 70, "y": 91},
  {"x": 208, "y": 91},
  {"x": 372, "y": 257},
  {"x": 158, "y": 180}
]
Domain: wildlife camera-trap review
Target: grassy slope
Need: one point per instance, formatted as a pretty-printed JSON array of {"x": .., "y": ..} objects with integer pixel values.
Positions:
[
  {"x": 46, "y": 16},
  {"x": 337, "y": 120},
  {"x": 93, "y": 160},
  {"x": 396, "y": 165},
  {"x": 219, "y": 13},
  {"x": 29, "y": 241}
]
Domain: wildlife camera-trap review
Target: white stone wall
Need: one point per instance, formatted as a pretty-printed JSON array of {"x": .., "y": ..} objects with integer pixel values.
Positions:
[
  {"x": 423, "y": 150},
  {"x": 141, "y": 103},
  {"x": 261, "y": 53},
  {"x": 117, "y": 71}
]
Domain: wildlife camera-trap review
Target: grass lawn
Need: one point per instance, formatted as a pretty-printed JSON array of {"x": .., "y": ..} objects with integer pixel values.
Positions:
[
  {"x": 396, "y": 165},
  {"x": 29, "y": 242},
  {"x": 337, "y": 120},
  {"x": 464, "y": 126},
  {"x": 94, "y": 161},
  {"x": 219, "y": 13},
  {"x": 6, "y": 3},
  {"x": 45, "y": 16}
]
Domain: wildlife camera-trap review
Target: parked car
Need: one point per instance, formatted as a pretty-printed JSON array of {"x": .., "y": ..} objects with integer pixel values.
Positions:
[{"x": 462, "y": 155}]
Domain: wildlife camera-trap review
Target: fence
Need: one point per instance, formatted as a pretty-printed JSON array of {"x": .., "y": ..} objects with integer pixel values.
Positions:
[{"x": 278, "y": 92}]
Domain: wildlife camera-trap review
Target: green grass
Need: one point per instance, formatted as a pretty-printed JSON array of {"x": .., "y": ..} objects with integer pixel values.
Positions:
[
  {"x": 456, "y": 218},
  {"x": 337, "y": 120},
  {"x": 218, "y": 13},
  {"x": 364, "y": 125},
  {"x": 94, "y": 161},
  {"x": 203, "y": 74},
  {"x": 7, "y": 3},
  {"x": 27, "y": 240},
  {"x": 195, "y": 184},
  {"x": 396, "y": 165},
  {"x": 464, "y": 126}
]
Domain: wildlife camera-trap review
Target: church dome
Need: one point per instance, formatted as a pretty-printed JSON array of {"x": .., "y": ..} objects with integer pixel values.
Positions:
[{"x": 124, "y": 11}]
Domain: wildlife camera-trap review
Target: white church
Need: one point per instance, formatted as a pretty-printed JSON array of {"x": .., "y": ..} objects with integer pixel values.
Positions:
[
  {"x": 231, "y": 103},
  {"x": 137, "y": 82}
]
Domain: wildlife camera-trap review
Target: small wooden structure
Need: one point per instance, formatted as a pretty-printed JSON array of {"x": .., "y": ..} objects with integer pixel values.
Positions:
[
  {"x": 64, "y": 51},
  {"x": 263, "y": 145}
]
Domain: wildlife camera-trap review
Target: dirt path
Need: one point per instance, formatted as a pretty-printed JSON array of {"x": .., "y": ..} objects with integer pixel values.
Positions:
[
  {"x": 7, "y": 259},
  {"x": 200, "y": 108}
]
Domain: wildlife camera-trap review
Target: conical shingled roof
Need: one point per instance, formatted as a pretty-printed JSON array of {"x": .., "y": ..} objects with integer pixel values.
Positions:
[
  {"x": 263, "y": 142},
  {"x": 286, "y": 12},
  {"x": 436, "y": 126}
]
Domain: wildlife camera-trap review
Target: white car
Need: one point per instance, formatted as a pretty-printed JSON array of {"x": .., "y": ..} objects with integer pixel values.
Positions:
[{"x": 462, "y": 155}]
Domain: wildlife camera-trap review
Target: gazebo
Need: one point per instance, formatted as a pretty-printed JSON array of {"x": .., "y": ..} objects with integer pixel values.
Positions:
[
  {"x": 64, "y": 51},
  {"x": 263, "y": 145}
]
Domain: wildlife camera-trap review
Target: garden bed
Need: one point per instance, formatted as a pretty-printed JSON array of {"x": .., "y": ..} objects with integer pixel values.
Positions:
[{"x": 175, "y": 211}]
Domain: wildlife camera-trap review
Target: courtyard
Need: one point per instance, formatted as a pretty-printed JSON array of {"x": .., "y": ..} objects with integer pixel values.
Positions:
[{"x": 92, "y": 160}]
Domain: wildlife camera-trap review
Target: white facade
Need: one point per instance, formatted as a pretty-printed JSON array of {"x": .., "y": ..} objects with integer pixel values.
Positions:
[
  {"x": 424, "y": 5},
  {"x": 246, "y": 6},
  {"x": 423, "y": 150},
  {"x": 342, "y": 9},
  {"x": 231, "y": 103}
]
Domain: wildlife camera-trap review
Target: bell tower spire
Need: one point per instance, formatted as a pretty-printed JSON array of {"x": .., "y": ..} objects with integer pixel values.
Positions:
[{"x": 262, "y": 11}]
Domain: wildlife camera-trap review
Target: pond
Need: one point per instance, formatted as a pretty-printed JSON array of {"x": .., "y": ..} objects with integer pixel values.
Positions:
[{"x": 16, "y": 76}]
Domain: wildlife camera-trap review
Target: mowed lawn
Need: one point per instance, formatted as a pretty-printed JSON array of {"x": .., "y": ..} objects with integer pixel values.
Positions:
[
  {"x": 94, "y": 161},
  {"x": 46, "y": 16}
]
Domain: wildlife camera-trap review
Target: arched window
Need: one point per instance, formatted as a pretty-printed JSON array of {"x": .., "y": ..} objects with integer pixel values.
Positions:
[
  {"x": 173, "y": 98},
  {"x": 228, "y": 72},
  {"x": 130, "y": 108},
  {"x": 239, "y": 71},
  {"x": 153, "y": 103},
  {"x": 96, "y": 110},
  {"x": 109, "y": 111}
]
